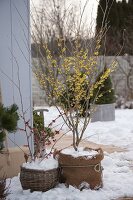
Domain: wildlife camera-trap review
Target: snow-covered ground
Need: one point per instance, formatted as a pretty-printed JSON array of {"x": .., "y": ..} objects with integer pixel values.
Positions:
[
  {"x": 117, "y": 173},
  {"x": 118, "y": 132}
]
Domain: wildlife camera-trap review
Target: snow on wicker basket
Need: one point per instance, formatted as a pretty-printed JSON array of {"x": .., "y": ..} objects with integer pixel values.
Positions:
[
  {"x": 39, "y": 176},
  {"x": 81, "y": 168}
]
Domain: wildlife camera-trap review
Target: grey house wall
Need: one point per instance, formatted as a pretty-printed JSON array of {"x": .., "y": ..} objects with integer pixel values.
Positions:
[{"x": 15, "y": 68}]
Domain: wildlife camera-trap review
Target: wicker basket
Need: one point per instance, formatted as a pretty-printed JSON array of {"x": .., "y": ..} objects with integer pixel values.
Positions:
[{"x": 38, "y": 180}]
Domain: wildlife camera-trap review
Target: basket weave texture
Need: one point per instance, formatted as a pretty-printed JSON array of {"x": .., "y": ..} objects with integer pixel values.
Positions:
[{"x": 38, "y": 180}]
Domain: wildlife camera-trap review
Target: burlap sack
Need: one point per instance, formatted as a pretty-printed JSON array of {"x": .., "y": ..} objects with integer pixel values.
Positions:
[{"x": 82, "y": 172}]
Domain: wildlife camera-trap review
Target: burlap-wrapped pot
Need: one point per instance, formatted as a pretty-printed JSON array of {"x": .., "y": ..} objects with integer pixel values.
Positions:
[
  {"x": 38, "y": 180},
  {"x": 81, "y": 171}
]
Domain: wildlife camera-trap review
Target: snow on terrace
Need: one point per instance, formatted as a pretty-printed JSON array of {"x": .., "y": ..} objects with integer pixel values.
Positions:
[
  {"x": 118, "y": 132},
  {"x": 117, "y": 173}
]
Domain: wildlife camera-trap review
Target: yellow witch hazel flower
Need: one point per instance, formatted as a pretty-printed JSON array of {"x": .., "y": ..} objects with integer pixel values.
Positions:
[{"x": 70, "y": 81}]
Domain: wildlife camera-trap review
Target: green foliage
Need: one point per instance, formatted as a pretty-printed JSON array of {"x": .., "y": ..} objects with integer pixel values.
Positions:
[
  {"x": 38, "y": 121},
  {"x": 48, "y": 131},
  {"x": 8, "y": 120},
  {"x": 9, "y": 117},
  {"x": 42, "y": 135},
  {"x": 40, "y": 132},
  {"x": 107, "y": 12},
  {"x": 106, "y": 91},
  {"x": 117, "y": 15},
  {"x": 2, "y": 137},
  {"x": 130, "y": 2}
]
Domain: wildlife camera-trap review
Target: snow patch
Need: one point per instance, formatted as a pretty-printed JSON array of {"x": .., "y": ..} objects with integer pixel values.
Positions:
[
  {"x": 80, "y": 152},
  {"x": 45, "y": 164}
]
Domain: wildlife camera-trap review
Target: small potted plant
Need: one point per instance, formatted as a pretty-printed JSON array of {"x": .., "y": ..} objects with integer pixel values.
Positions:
[
  {"x": 40, "y": 171},
  {"x": 105, "y": 105},
  {"x": 76, "y": 81}
]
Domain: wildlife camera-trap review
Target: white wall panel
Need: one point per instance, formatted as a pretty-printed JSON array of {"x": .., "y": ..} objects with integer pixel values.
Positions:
[{"x": 15, "y": 68}]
